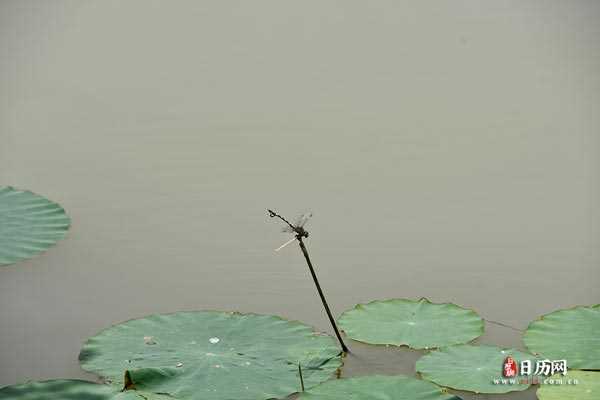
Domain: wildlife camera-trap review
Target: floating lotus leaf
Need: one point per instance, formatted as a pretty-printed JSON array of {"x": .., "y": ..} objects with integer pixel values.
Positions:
[
  {"x": 57, "y": 390},
  {"x": 72, "y": 389},
  {"x": 472, "y": 368},
  {"x": 419, "y": 324},
  {"x": 572, "y": 335},
  {"x": 29, "y": 224},
  {"x": 212, "y": 355},
  {"x": 378, "y": 387},
  {"x": 587, "y": 387}
]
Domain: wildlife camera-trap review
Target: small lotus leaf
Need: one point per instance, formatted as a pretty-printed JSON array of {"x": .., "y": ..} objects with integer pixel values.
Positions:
[
  {"x": 572, "y": 335},
  {"x": 212, "y": 355},
  {"x": 418, "y": 324},
  {"x": 471, "y": 368},
  {"x": 29, "y": 224},
  {"x": 560, "y": 387},
  {"x": 72, "y": 389},
  {"x": 60, "y": 389},
  {"x": 378, "y": 387}
]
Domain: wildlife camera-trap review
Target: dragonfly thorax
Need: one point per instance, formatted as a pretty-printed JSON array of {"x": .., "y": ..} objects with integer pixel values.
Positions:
[{"x": 301, "y": 232}]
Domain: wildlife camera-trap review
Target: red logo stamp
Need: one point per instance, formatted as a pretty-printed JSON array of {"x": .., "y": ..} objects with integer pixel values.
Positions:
[{"x": 509, "y": 368}]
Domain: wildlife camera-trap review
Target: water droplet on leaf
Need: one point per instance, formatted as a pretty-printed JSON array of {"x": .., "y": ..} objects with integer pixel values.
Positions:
[{"x": 149, "y": 340}]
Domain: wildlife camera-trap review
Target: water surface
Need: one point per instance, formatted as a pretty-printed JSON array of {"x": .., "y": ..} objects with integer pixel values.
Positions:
[{"x": 448, "y": 151}]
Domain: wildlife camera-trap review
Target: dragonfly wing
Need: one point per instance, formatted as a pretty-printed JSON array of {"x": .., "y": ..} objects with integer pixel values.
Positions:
[
  {"x": 287, "y": 229},
  {"x": 285, "y": 244},
  {"x": 303, "y": 219}
]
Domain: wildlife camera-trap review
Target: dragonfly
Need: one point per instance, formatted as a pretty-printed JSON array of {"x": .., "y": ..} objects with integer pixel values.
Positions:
[{"x": 297, "y": 228}]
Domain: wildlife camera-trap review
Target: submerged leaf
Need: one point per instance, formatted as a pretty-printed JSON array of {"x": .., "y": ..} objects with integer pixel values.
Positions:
[
  {"x": 378, "y": 387},
  {"x": 564, "y": 388},
  {"x": 572, "y": 335},
  {"x": 29, "y": 224},
  {"x": 255, "y": 356},
  {"x": 472, "y": 368},
  {"x": 418, "y": 324}
]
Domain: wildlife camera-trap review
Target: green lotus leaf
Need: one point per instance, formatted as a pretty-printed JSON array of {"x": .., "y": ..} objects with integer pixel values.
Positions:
[
  {"x": 59, "y": 389},
  {"x": 586, "y": 388},
  {"x": 212, "y": 355},
  {"x": 378, "y": 387},
  {"x": 71, "y": 389},
  {"x": 572, "y": 335},
  {"x": 418, "y": 324},
  {"x": 29, "y": 224},
  {"x": 471, "y": 368},
  {"x": 139, "y": 395}
]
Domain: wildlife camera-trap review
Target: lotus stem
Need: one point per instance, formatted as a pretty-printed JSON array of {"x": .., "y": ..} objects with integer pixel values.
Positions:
[
  {"x": 301, "y": 378},
  {"x": 327, "y": 310}
]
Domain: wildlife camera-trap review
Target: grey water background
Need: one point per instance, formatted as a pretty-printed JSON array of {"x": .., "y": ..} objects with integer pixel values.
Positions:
[{"x": 447, "y": 149}]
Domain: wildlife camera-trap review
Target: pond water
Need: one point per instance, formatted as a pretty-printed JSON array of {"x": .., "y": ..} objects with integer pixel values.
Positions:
[{"x": 447, "y": 151}]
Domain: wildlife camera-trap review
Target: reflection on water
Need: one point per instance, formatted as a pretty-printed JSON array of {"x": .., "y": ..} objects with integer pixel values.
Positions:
[{"x": 448, "y": 151}]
